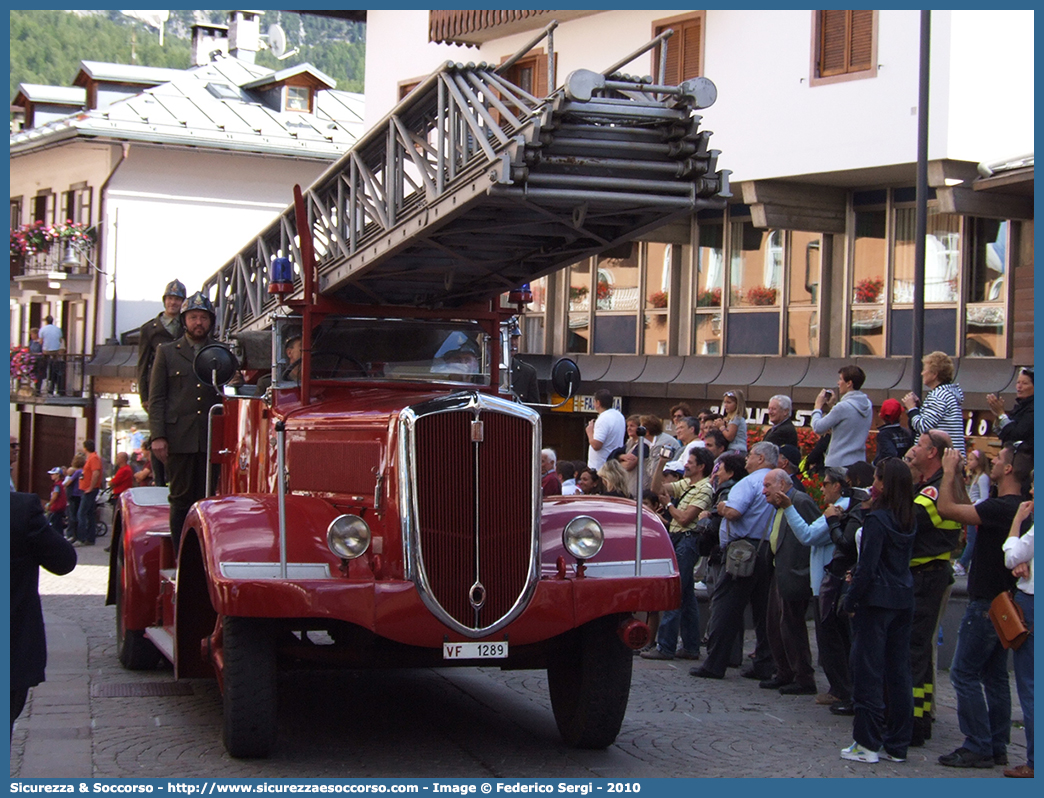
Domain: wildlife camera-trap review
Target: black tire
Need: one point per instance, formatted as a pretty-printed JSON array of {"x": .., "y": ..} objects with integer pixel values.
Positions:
[
  {"x": 249, "y": 688},
  {"x": 135, "y": 651},
  {"x": 589, "y": 679}
]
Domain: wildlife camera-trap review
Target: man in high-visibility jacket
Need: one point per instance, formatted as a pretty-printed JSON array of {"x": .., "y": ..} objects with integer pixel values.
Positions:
[{"x": 932, "y": 572}]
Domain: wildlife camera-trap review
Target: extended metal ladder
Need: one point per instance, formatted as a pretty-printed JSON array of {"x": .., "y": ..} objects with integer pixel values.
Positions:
[{"x": 472, "y": 186}]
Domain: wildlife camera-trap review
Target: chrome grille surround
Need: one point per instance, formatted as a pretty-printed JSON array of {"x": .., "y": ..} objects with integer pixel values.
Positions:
[{"x": 470, "y": 406}]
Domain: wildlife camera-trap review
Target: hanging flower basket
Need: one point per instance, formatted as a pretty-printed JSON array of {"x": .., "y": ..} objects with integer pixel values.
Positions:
[{"x": 658, "y": 299}]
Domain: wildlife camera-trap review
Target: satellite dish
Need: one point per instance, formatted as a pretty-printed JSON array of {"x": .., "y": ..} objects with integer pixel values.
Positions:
[{"x": 276, "y": 40}]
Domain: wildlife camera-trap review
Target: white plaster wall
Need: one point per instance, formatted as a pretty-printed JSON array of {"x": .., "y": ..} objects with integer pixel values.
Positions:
[
  {"x": 768, "y": 121},
  {"x": 184, "y": 214},
  {"x": 397, "y": 49},
  {"x": 991, "y": 64}
]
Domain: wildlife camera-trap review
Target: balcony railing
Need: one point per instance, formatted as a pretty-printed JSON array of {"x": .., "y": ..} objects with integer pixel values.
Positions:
[
  {"x": 47, "y": 378},
  {"x": 54, "y": 260}
]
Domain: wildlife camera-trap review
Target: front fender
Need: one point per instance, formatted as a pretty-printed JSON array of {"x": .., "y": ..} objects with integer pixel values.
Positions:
[
  {"x": 618, "y": 519},
  {"x": 140, "y": 535},
  {"x": 239, "y": 541}
]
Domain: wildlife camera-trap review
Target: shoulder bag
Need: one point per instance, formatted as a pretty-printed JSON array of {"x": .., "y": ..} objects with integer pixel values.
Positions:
[{"x": 1009, "y": 621}]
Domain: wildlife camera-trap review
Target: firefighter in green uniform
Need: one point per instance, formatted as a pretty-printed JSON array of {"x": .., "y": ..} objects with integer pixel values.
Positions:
[{"x": 932, "y": 571}]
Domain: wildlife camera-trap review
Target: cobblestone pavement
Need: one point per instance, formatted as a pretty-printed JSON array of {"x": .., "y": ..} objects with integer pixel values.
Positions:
[{"x": 93, "y": 719}]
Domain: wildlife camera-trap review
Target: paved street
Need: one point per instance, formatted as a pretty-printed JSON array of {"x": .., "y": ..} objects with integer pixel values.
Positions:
[{"x": 93, "y": 719}]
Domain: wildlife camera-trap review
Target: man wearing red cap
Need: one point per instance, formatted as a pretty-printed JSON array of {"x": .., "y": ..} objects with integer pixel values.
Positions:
[{"x": 893, "y": 439}]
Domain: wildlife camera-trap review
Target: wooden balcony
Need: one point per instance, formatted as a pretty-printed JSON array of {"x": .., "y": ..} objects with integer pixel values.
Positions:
[{"x": 475, "y": 26}]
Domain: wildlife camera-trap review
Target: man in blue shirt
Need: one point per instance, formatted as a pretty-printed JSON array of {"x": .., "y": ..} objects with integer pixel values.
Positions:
[{"x": 747, "y": 515}]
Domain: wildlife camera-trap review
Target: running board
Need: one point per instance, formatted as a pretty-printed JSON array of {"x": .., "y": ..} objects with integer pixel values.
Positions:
[{"x": 161, "y": 639}]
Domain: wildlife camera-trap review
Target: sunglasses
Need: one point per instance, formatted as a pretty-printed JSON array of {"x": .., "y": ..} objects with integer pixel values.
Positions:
[
  {"x": 730, "y": 395},
  {"x": 14, "y": 445}
]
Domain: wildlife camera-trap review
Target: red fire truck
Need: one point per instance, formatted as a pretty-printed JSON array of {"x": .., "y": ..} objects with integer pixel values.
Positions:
[{"x": 379, "y": 505}]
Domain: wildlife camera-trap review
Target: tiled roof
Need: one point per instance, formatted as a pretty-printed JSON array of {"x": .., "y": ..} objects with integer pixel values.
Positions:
[{"x": 183, "y": 110}]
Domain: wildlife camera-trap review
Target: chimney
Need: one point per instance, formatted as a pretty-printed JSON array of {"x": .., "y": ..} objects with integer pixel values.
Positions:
[
  {"x": 207, "y": 41},
  {"x": 244, "y": 34}
]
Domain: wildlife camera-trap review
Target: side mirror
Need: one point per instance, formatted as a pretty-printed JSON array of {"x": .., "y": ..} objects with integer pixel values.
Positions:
[
  {"x": 565, "y": 377},
  {"x": 215, "y": 365}
]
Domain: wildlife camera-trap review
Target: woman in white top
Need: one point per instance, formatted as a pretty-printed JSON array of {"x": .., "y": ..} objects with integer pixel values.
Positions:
[
  {"x": 734, "y": 410},
  {"x": 1018, "y": 555}
]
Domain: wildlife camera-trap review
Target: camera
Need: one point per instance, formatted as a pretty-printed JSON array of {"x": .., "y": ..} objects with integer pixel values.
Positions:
[
  {"x": 829, "y": 393},
  {"x": 666, "y": 452}
]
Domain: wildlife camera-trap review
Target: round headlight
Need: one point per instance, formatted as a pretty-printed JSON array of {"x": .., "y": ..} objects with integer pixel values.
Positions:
[
  {"x": 583, "y": 537},
  {"x": 348, "y": 536}
]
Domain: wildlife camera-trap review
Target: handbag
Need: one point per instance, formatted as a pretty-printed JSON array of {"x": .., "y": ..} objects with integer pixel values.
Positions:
[
  {"x": 739, "y": 558},
  {"x": 1009, "y": 621}
]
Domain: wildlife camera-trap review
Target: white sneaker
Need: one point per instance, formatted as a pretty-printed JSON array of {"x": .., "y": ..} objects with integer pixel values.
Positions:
[
  {"x": 959, "y": 569},
  {"x": 857, "y": 753},
  {"x": 887, "y": 757}
]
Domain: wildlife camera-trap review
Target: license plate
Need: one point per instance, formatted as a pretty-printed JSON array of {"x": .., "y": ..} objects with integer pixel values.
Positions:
[{"x": 475, "y": 650}]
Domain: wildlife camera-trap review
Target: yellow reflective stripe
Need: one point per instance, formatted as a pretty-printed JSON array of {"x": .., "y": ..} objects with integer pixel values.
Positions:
[
  {"x": 918, "y": 692},
  {"x": 933, "y": 513},
  {"x": 945, "y": 557}
]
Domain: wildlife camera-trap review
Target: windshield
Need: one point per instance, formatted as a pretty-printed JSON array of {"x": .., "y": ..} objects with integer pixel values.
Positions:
[{"x": 346, "y": 348}]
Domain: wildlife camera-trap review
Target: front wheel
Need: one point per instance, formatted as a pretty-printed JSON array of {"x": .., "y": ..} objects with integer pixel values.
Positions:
[
  {"x": 589, "y": 679},
  {"x": 249, "y": 687}
]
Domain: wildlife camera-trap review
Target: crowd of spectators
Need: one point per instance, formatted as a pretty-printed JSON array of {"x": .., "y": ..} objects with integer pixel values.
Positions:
[{"x": 874, "y": 553}]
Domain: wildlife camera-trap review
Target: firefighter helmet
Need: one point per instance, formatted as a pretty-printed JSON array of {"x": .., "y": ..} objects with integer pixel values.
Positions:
[
  {"x": 175, "y": 288},
  {"x": 199, "y": 301}
]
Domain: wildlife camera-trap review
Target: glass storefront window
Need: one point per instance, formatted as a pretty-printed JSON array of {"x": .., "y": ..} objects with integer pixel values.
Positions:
[
  {"x": 616, "y": 305},
  {"x": 708, "y": 334},
  {"x": 805, "y": 267},
  {"x": 986, "y": 333},
  {"x": 868, "y": 332},
  {"x": 539, "y": 290},
  {"x": 802, "y": 332},
  {"x": 870, "y": 258},
  {"x": 580, "y": 287},
  {"x": 987, "y": 255},
  {"x": 656, "y": 333},
  {"x": 941, "y": 260},
  {"x": 658, "y": 274},
  {"x": 756, "y": 266},
  {"x": 710, "y": 266}
]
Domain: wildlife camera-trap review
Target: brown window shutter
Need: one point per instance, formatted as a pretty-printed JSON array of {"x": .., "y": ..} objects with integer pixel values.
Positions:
[
  {"x": 832, "y": 39},
  {"x": 861, "y": 39},
  {"x": 684, "y": 56}
]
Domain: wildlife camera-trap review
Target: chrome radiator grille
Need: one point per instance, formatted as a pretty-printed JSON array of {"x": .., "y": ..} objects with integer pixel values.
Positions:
[{"x": 473, "y": 487}]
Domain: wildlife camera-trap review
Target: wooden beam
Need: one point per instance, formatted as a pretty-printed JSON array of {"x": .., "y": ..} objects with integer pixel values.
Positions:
[
  {"x": 773, "y": 216},
  {"x": 942, "y": 170},
  {"x": 991, "y": 205}
]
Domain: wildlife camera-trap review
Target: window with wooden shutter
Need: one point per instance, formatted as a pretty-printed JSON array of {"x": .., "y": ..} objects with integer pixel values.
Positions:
[
  {"x": 845, "y": 45},
  {"x": 684, "y": 49},
  {"x": 530, "y": 73}
]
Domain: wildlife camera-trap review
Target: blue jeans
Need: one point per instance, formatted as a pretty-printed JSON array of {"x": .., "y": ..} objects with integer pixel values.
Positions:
[
  {"x": 86, "y": 520},
  {"x": 1024, "y": 672},
  {"x": 688, "y": 617},
  {"x": 979, "y": 675},
  {"x": 969, "y": 547}
]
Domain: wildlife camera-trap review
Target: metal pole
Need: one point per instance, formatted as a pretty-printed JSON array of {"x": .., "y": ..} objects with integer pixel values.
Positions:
[
  {"x": 921, "y": 225},
  {"x": 281, "y": 493},
  {"x": 641, "y": 491}
]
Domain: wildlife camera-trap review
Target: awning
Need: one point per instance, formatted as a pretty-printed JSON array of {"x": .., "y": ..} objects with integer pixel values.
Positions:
[{"x": 113, "y": 360}]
